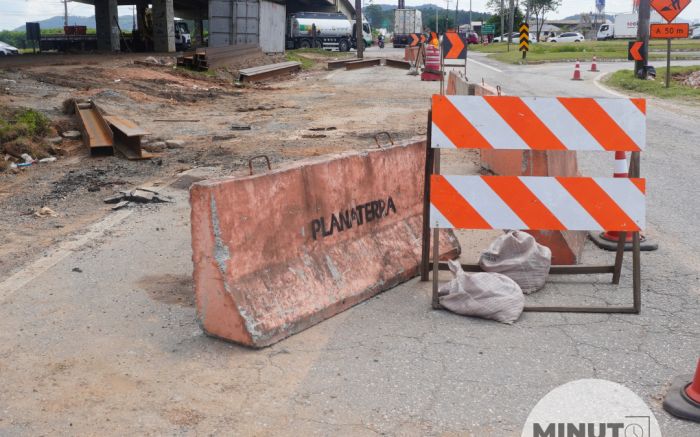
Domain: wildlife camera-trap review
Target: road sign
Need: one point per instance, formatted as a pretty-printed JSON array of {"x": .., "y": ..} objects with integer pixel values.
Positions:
[
  {"x": 524, "y": 38},
  {"x": 454, "y": 46},
  {"x": 669, "y": 9},
  {"x": 670, "y": 31},
  {"x": 635, "y": 50},
  {"x": 488, "y": 29},
  {"x": 417, "y": 38}
]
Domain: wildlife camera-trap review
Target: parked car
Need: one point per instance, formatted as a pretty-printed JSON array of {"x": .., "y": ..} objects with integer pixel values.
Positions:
[
  {"x": 567, "y": 37},
  {"x": 6, "y": 49},
  {"x": 472, "y": 38},
  {"x": 514, "y": 37}
]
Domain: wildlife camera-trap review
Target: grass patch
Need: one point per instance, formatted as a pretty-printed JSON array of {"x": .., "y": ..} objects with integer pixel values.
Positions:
[
  {"x": 309, "y": 58},
  {"x": 625, "y": 80},
  {"x": 22, "y": 131},
  {"x": 602, "y": 50},
  {"x": 320, "y": 53},
  {"x": 306, "y": 63}
]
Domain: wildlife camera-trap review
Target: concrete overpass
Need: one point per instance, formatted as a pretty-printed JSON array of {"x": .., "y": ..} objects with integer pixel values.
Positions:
[{"x": 233, "y": 21}]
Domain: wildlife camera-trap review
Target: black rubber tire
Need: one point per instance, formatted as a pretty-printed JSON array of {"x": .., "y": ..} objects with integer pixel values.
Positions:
[
  {"x": 344, "y": 45},
  {"x": 305, "y": 44}
]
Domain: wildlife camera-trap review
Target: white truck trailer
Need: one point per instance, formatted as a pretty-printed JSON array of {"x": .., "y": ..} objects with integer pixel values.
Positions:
[
  {"x": 406, "y": 22},
  {"x": 624, "y": 26},
  {"x": 333, "y": 30}
]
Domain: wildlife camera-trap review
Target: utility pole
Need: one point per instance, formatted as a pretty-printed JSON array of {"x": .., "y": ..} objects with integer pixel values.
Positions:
[
  {"x": 511, "y": 18},
  {"x": 65, "y": 12},
  {"x": 643, "y": 34},
  {"x": 503, "y": 24},
  {"x": 471, "y": 26},
  {"x": 358, "y": 29}
]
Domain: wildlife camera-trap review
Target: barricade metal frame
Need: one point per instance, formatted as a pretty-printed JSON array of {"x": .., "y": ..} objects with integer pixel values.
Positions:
[{"x": 432, "y": 166}]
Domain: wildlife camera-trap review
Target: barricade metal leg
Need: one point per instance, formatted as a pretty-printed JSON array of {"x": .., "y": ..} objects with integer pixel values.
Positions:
[{"x": 429, "y": 159}]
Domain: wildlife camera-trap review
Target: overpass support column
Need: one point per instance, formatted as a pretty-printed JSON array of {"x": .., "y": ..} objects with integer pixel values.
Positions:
[
  {"x": 163, "y": 26},
  {"x": 106, "y": 16}
]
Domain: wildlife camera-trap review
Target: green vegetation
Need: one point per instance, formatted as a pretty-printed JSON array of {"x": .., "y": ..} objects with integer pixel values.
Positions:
[
  {"x": 602, "y": 50},
  {"x": 305, "y": 62},
  {"x": 625, "y": 80},
  {"x": 310, "y": 57},
  {"x": 22, "y": 131}
]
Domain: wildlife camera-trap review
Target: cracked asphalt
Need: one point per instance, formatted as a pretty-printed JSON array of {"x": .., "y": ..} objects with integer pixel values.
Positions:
[{"x": 115, "y": 349}]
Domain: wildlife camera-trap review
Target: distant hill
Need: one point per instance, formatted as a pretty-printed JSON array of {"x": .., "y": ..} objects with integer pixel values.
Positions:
[{"x": 125, "y": 22}]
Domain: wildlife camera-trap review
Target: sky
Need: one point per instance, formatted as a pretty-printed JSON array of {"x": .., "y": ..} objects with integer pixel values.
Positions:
[{"x": 14, "y": 13}]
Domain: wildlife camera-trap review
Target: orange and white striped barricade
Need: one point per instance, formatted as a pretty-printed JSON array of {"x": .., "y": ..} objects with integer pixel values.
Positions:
[{"x": 537, "y": 203}]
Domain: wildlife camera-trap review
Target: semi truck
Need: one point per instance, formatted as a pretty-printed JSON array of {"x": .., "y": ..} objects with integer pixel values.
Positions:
[
  {"x": 333, "y": 30},
  {"x": 406, "y": 22},
  {"x": 624, "y": 26}
]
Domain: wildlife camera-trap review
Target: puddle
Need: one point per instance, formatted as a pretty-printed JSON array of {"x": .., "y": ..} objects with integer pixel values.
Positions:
[{"x": 169, "y": 289}]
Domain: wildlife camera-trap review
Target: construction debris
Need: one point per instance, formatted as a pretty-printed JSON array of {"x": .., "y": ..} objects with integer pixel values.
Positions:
[
  {"x": 205, "y": 58},
  {"x": 267, "y": 71},
  {"x": 72, "y": 135},
  {"x": 138, "y": 195},
  {"x": 45, "y": 212}
]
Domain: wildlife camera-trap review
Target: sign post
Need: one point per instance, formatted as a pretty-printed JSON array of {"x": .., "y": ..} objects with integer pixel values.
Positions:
[
  {"x": 669, "y": 9},
  {"x": 524, "y": 39}
]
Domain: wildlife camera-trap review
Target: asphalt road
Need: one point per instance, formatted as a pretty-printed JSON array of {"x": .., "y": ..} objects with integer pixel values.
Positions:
[{"x": 114, "y": 348}]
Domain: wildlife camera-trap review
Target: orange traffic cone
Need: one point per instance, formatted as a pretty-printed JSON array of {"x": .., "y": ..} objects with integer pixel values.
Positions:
[
  {"x": 577, "y": 71},
  {"x": 683, "y": 398},
  {"x": 609, "y": 239},
  {"x": 594, "y": 67}
]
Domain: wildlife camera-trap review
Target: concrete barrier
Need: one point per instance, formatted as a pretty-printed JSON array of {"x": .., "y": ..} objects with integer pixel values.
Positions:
[
  {"x": 410, "y": 54},
  {"x": 566, "y": 246},
  {"x": 278, "y": 252}
]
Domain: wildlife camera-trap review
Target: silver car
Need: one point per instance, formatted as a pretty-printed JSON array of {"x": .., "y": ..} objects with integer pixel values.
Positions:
[{"x": 7, "y": 50}]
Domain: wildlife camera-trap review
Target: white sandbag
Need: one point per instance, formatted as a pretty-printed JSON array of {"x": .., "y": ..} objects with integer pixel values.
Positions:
[
  {"x": 517, "y": 255},
  {"x": 486, "y": 295}
]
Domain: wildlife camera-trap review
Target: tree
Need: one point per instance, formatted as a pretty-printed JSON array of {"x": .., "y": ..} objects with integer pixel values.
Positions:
[
  {"x": 495, "y": 6},
  {"x": 540, "y": 9},
  {"x": 374, "y": 15}
]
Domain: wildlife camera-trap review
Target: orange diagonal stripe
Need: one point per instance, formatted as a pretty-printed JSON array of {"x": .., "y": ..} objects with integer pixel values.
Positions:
[
  {"x": 641, "y": 104},
  {"x": 524, "y": 203},
  {"x": 640, "y": 183},
  {"x": 599, "y": 124},
  {"x": 598, "y": 204},
  {"x": 453, "y": 206},
  {"x": 525, "y": 123},
  {"x": 457, "y": 128},
  {"x": 457, "y": 45}
]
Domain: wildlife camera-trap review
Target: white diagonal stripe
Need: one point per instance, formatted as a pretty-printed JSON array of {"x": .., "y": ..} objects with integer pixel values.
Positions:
[
  {"x": 439, "y": 140},
  {"x": 630, "y": 119},
  {"x": 437, "y": 220},
  {"x": 627, "y": 196},
  {"x": 562, "y": 124},
  {"x": 488, "y": 122},
  {"x": 561, "y": 203},
  {"x": 486, "y": 202}
]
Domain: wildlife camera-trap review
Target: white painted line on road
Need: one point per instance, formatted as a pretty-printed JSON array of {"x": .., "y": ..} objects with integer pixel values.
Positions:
[
  {"x": 597, "y": 83},
  {"x": 485, "y": 65},
  {"x": 26, "y": 275}
]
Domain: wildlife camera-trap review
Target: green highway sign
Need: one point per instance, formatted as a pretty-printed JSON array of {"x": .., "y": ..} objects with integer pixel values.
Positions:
[{"x": 488, "y": 29}]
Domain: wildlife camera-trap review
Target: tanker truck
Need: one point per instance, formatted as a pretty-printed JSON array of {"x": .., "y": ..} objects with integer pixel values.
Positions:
[{"x": 333, "y": 30}]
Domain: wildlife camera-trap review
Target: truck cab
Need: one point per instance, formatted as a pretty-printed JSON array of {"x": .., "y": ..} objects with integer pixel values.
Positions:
[
  {"x": 605, "y": 32},
  {"x": 183, "y": 39},
  {"x": 366, "y": 32}
]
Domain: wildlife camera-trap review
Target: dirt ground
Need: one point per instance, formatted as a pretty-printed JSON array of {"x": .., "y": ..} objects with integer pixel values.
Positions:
[{"x": 311, "y": 113}]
